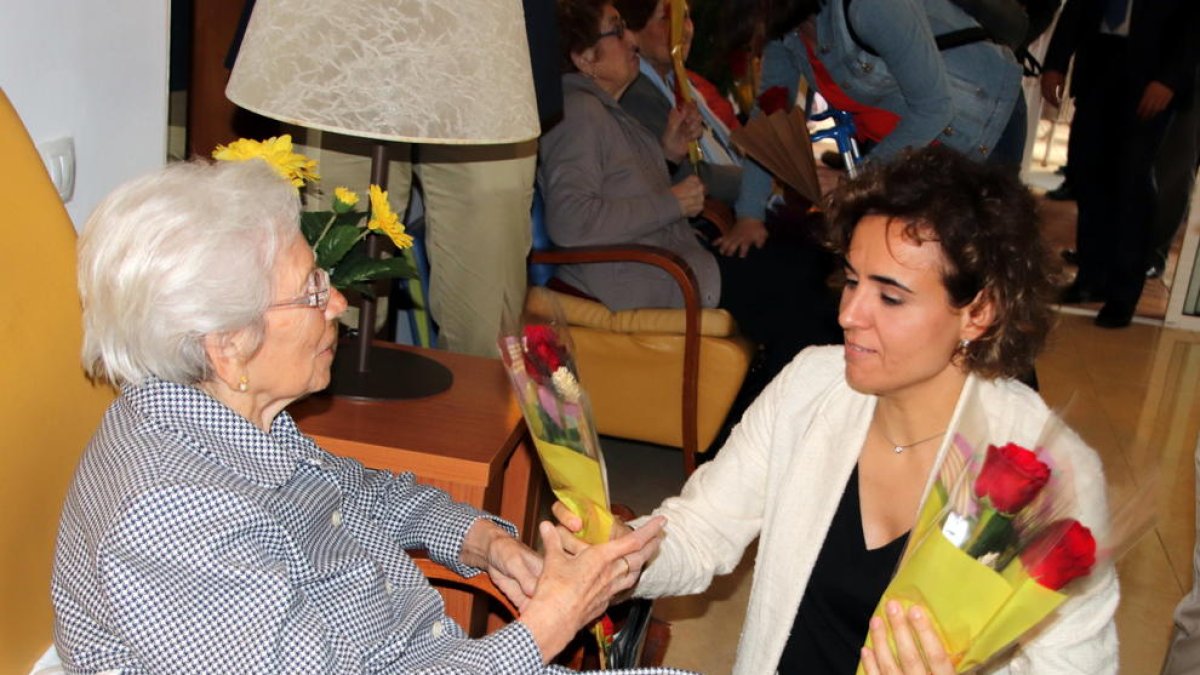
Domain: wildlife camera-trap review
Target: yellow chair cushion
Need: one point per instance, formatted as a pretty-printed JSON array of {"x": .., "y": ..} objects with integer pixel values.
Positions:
[
  {"x": 592, "y": 314},
  {"x": 48, "y": 408},
  {"x": 634, "y": 378}
]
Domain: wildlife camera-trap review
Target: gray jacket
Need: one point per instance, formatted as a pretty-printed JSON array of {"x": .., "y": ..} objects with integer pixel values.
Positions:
[
  {"x": 647, "y": 105},
  {"x": 605, "y": 182}
]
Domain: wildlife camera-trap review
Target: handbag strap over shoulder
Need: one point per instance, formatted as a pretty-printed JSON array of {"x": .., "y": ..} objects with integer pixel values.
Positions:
[{"x": 944, "y": 41}]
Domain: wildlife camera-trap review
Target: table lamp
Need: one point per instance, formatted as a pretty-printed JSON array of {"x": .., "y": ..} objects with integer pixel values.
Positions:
[{"x": 416, "y": 71}]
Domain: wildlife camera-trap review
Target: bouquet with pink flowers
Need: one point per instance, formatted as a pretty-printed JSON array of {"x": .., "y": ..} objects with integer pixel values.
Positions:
[
  {"x": 1002, "y": 540},
  {"x": 537, "y": 356}
]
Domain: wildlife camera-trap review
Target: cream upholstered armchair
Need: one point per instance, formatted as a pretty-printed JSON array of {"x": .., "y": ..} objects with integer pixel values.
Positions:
[
  {"x": 665, "y": 376},
  {"x": 48, "y": 408}
]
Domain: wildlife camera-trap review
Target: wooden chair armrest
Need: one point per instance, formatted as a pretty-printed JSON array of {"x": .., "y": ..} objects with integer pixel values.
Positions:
[{"x": 683, "y": 275}]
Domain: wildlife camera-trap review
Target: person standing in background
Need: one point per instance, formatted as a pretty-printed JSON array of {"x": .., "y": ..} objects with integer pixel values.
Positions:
[{"x": 1133, "y": 61}]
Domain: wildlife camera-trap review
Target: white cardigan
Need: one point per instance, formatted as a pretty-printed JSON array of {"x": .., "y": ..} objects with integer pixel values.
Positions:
[{"x": 780, "y": 478}]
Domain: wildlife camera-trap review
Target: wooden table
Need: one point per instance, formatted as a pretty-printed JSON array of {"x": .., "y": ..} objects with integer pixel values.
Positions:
[{"x": 470, "y": 441}]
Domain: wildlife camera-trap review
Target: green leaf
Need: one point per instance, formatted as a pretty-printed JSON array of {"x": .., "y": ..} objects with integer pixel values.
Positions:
[
  {"x": 311, "y": 224},
  {"x": 348, "y": 218},
  {"x": 336, "y": 244},
  {"x": 358, "y": 269}
]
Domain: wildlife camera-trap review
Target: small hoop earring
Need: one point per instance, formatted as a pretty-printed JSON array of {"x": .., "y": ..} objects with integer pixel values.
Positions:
[{"x": 243, "y": 383}]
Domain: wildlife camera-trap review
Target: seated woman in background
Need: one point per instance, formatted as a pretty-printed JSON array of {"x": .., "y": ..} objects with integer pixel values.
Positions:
[
  {"x": 947, "y": 289},
  {"x": 203, "y": 532},
  {"x": 873, "y": 55},
  {"x": 651, "y": 98},
  {"x": 604, "y": 178}
]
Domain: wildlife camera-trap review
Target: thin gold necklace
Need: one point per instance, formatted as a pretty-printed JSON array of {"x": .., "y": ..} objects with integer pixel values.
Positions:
[{"x": 897, "y": 448}]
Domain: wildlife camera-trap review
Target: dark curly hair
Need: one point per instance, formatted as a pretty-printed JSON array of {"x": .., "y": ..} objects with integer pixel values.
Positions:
[
  {"x": 986, "y": 223},
  {"x": 578, "y": 27}
]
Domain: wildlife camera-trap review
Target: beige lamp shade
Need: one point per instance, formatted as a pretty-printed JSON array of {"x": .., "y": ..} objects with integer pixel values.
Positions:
[{"x": 421, "y": 71}]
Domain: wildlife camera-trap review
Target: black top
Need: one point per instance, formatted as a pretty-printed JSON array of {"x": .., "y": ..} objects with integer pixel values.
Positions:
[{"x": 846, "y": 584}]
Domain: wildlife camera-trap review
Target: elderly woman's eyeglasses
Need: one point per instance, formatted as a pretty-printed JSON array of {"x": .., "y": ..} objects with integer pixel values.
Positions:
[
  {"x": 317, "y": 296},
  {"x": 617, "y": 32}
]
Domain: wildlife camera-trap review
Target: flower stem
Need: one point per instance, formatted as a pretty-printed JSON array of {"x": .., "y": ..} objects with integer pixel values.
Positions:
[
  {"x": 332, "y": 217},
  {"x": 995, "y": 535}
]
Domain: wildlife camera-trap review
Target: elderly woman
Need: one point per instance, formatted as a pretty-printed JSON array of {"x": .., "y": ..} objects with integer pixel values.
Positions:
[
  {"x": 651, "y": 97},
  {"x": 946, "y": 292},
  {"x": 605, "y": 181},
  {"x": 203, "y": 532}
]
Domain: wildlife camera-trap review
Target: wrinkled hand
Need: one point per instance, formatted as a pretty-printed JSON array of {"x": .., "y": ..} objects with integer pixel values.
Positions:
[
  {"x": 746, "y": 232},
  {"x": 908, "y": 660},
  {"x": 689, "y": 192},
  {"x": 683, "y": 126},
  {"x": 576, "y": 587},
  {"x": 514, "y": 568},
  {"x": 1155, "y": 99},
  {"x": 1052, "y": 87}
]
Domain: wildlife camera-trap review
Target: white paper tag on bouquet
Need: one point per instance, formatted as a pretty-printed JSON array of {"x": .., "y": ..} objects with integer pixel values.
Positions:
[{"x": 956, "y": 529}]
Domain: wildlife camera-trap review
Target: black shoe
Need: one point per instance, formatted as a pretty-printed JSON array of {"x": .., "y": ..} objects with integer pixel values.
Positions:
[
  {"x": 1070, "y": 256},
  {"x": 1112, "y": 316},
  {"x": 1077, "y": 294},
  {"x": 1062, "y": 193}
]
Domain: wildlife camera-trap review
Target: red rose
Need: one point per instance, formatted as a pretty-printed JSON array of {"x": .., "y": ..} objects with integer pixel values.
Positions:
[
  {"x": 773, "y": 99},
  {"x": 542, "y": 355},
  {"x": 1011, "y": 477},
  {"x": 1064, "y": 551}
]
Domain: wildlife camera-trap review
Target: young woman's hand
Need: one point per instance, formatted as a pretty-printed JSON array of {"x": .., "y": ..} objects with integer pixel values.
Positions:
[{"x": 919, "y": 650}]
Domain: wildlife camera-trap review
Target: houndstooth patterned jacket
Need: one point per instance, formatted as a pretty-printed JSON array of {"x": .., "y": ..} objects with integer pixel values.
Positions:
[{"x": 193, "y": 542}]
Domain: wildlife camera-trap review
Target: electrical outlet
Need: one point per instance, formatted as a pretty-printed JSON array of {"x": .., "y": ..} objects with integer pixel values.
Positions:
[{"x": 59, "y": 157}]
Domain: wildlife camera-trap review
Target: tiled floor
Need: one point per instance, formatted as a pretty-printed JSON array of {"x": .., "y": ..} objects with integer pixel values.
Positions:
[{"x": 1136, "y": 400}]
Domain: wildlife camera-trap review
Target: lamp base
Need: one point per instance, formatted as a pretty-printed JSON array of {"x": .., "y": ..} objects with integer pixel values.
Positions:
[{"x": 393, "y": 374}]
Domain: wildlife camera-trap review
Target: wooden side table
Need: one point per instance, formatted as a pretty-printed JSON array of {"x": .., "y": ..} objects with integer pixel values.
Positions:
[{"x": 470, "y": 441}]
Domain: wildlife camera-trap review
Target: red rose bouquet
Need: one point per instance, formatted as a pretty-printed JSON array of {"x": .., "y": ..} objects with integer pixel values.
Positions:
[
  {"x": 537, "y": 356},
  {"x": 1001, "y": 540}
]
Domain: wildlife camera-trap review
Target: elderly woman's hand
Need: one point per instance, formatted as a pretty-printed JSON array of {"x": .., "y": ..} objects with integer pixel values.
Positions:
[
  {"x": 512, "y": 566},
  {"x": 569, "y": 524},
  {"x": 576, "y": 587},
  {"x": 689, "y": 192},
  {"x": 684, "y": 125},
  {"x": 879, "y": 660}
]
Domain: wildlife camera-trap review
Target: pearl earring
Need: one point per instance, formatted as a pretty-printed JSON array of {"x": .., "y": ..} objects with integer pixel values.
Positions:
[{"x": 243, "y": 383}]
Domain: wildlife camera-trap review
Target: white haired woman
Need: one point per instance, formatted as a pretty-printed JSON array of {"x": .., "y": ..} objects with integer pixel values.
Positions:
[{"x": 203, "y": 532}]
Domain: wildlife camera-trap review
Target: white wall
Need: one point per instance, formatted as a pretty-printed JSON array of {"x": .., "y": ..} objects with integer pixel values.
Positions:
[{"x": 95, "y": 70}]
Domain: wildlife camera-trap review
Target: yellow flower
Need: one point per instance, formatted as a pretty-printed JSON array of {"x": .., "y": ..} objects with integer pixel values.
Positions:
[
  {"x": 383, "y": 220},
  {"x": 276, "y": 152},
  {"x": 345, "y": 195},
  {"x": 344, "y": 200}
]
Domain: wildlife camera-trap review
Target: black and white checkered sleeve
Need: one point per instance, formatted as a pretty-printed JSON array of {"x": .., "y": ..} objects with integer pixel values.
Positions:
[{"x": 417, "y": 516}]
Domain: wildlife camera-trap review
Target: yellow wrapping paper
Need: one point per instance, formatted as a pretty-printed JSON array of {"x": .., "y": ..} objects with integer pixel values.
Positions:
[
  {"x": 977, "y": 611},
  {"x": 578, "y": 483},
  {"x": 678, "y": 14}
]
